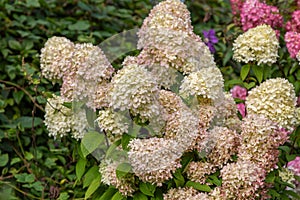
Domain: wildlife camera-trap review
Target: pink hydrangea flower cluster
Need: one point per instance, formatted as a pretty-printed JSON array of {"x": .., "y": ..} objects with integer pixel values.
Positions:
[
  {"x": 292, "y": 35},
  {"x": 254, "y": 13},
  {"x": 294, "y": 23},
  {"x": 292, "y": 40},
  {"x": 294, "y": 165},
  {"x": 240, "y": 93},
  {"x": 236, "y": 6}
]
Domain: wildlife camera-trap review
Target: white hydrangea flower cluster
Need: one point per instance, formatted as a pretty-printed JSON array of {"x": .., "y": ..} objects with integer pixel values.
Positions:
[
  {"x": 242, "y": 180},
  {"x": 167, "y": 39},
  {"x": 125, "y": 185},
  {"x": 90, "y": 70},
  {"x": 199, "y": 171},
  {"x": 275, "y": 99},
  {"x": 113, "y": 123},
  {"x": 61, "y": 120},
  {"x": 207, "y": 82},
  {"x": 258, "y": 44},
  {"x": 154, "y": 159},
  {"x": 171, "y": 14},
  {"x": 184, "y": 194},
  {"x": 260, "y": 139},
  {"x": 56, "y": 57},
  {"x": 134, "y": 89}
]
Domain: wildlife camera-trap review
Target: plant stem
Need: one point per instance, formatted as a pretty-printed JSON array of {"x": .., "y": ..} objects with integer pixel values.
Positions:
[{"x": 25, "y": 91}]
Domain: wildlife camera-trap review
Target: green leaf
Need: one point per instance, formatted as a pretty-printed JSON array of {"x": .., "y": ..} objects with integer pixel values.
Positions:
[
  {"x": 286, "y": 149},
  {"x": 108, "y": 194},
  {"x": 18, "y": 96},
  {"x": 79, "y": 26},
  {"x": 13, "y": 161},
  {"x": 93, "y": 187},
  {"x": 91, "y": 142},
  {"x": 80, "y": 168},
  {"x": 91, "y": 117},
  {"x": 147, "y": 188},
  {"x": 244, "y": 71},
  {"x": 33, "y": 3},
  {"x": 250, "y": 85},
  {"x": 227, "y": 57},
  {"x": 179, "y": 179},
  {"x": 90, "y": 175},
  {"x": 63, "y": 196},
  {"x": 198, "y": 186},
  {"x": 123, "y": 169},
  {"x": 67, "y": 104},
  {"x": 125, "y": 141},
  {"x": 273, "y": 193},
  {"x": 24, "y": 178},
  {"x": 258, "y": 72},
  {"x": 290, "y": 157},
  {"x": 37, "y": 186},
  {"x": 112, "y": 149},
  {"x": 214, "y": 179},
  {"x": 3, "y": 160},
  {"x": 14, "y": 44},
  {"x": 140, "y": 196},
  {"x": 28, "y": 155},
  {"x": 118, "y": 196},
  {"x": 26, "y": 122}
]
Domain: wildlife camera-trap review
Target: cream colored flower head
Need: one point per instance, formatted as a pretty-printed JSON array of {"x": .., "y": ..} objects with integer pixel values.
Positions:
[
  {"x": 134, "y": 89},
  {"x": 207, "y": 82},
  {"x": 61, "y": 120},
  {"x": 276, "y": 100},
  {"x": 56, "y": 57},
  {"x": 258, "y": 44}
]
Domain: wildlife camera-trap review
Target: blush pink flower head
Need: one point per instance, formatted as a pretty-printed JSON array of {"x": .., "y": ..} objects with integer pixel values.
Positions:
[
  {"x": 292, "y": 40},
  {"x": 294, "y": 165}
]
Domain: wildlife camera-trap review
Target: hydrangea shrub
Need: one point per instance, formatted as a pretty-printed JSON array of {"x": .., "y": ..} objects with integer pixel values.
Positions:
[{"x": 163, "y": 126}]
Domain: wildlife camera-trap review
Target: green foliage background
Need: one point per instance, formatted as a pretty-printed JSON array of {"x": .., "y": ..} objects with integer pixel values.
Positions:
[{"x": 34, "y": 166}]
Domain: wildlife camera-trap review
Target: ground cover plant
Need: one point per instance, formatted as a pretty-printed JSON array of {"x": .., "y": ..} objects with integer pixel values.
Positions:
[{"x": 192, "y": 105}]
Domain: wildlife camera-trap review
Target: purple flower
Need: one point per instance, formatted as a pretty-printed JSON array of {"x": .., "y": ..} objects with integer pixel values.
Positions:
[{"x": 210, "y": 39}]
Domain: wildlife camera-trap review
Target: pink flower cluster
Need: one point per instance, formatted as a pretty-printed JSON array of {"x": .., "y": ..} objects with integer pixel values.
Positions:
[
  {"x": 292, "y": 36},
  {"x": 294, "y": 165},
  {"x": 236, "y": 6},
  {"x": 254, "y": 13},
  {"x": 292, "y": 40},
  {"x": 294, "y": 23},
  {"x": 240, "y": 93}
]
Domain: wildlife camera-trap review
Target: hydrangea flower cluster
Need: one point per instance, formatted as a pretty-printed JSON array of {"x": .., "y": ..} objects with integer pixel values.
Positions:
[
  {"x": 292, "y": 43},
  {"x": 167, "y": 39},
  {"x": 207, "y": 82},
  {"x": 256, "y": 129},
  {"x": 197, "y": 117},
  {"x": 293, "y": 24},
  {"x": 236, "y": 6},
  {"x": 275, "y": 99},
  {"x": 240, "y": 93},
  {"x": 61, "y": 120},
  {"x": 185, "y": 193},
  {"x": 108, "y": 176},
  {"x": 258, "y": 44},
  {"x": 56, "y": 57},
  {"x": 255, "y": 13}
]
